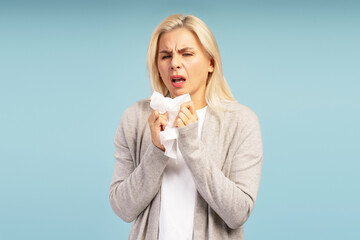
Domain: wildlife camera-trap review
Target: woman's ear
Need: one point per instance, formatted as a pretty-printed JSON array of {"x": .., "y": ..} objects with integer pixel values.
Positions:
[{"x": 211, "y": 66}]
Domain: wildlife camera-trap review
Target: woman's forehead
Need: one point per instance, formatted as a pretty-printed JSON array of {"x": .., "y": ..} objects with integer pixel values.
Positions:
[{"x": 178, "y": 39}]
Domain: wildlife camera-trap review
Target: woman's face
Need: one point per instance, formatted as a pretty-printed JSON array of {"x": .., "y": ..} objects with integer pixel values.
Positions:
[{"x": 183, "y": 64}]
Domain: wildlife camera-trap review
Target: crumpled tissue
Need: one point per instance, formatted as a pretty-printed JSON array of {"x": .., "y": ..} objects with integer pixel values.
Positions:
[{"x": 169, "y": 136}]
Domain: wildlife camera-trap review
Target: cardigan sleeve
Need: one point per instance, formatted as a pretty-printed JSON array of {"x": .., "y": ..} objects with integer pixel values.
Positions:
[
  {"x": 133, "y": 188},
  {"x": 231, "y": 197}
]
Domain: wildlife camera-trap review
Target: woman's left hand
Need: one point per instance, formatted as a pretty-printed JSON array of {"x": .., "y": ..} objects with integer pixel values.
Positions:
[{"x": 186, "y": 115}]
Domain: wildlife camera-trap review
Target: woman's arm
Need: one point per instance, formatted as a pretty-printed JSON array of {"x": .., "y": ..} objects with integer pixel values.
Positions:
[
  {"x": 133, "y": 188},
  {"x": 233, "y": 197}
]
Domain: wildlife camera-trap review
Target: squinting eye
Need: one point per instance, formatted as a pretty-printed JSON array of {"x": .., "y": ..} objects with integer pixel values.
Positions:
[
  {"x": 187, "y": 54},
  {"x": 164, "y": 57}
]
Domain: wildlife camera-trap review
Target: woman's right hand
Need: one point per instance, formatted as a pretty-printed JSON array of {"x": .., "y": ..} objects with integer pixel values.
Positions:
[{"x": 157, "y": 123}]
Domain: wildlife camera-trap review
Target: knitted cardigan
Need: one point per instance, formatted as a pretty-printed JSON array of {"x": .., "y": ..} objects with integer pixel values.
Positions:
[{"x": 225, "y": 164}]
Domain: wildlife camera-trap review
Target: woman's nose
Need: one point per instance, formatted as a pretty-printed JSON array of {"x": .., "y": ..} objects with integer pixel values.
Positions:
[{"x": 175, "y": 63}]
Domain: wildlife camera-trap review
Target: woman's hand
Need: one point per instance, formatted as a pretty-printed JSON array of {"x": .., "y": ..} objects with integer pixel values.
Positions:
[
  {"x": 186, "y": 115},
  {"x": 157, "y": 123}
]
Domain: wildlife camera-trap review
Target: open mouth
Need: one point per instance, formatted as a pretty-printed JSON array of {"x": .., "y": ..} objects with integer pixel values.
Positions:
[{"x": 178, "y": 80}]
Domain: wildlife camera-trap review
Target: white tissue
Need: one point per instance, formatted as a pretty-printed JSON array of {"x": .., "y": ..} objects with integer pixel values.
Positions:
[{"x": 169, "y": 136}]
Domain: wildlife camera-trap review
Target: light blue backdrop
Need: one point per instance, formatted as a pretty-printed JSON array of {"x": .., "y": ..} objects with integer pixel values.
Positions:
[{"x": 68, "y": 70}]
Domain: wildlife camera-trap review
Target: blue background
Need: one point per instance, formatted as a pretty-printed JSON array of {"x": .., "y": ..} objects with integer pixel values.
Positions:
[{"x": 68, "y": 70}]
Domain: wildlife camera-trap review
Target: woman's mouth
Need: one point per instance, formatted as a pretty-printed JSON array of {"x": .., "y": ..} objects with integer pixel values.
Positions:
[{"x": 177, "y": 81}]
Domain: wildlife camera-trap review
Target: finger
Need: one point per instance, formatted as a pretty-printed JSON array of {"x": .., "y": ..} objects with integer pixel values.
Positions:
[
  {"x": 161, "y": 119},
  {"x": 189, "y": 110},
  {"x": 156, "y": 114},
  {"x": 183, "y": 117},
  {"x": 189, "y": 105},
  {"x": 153, "y": 116},
  {"x": 192, "y": 108},
  {"x": 187, "y": 113},
  {"x": 179, "y": 123},
  {"x": 164, "y": 116},
  {"x": 162, "y": 123}
]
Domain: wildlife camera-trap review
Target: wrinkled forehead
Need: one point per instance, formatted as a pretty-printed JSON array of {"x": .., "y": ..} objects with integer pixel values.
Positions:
[{"x": 178, "y": 39}]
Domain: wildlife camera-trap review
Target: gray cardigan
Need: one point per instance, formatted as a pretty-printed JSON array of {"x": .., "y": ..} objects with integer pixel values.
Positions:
[{"x": 225, "y": 164}]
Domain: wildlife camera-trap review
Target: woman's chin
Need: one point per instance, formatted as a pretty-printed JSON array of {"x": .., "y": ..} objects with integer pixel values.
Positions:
[{"x": 177, "y": 93}]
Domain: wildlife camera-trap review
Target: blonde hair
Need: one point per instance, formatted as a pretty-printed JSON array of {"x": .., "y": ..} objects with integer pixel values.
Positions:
[{"x": 217, "y": 88}]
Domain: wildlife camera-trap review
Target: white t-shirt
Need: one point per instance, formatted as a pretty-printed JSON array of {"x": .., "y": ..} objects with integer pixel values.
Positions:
[{"x": 178, "y": 193}]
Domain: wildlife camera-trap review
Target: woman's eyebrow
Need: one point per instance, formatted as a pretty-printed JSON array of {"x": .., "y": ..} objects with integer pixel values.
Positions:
[
  {"x": 180, "y": 50},
  {"x": 186, "y": 49},
  {"x": 165, "y": 51}
]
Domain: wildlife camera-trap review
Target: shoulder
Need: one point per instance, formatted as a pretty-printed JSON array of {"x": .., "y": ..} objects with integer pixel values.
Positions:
[
  {"x": 132, "y": 119},
  {"x": 239, "y": 119},
  {"x": 240, "y": 122},
  {"x": 136, "y": 114},
  {"x": 238, "y": 112},
  {"x": 137, "y": 108}
]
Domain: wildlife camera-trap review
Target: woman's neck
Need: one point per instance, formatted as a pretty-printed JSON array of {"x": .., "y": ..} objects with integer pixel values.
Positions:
[{"x": 198, "y": 100}]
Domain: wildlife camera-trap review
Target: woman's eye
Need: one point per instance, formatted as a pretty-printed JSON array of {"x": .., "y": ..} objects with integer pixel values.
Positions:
[
  {"x": 187, "y": 54},
  {"x": 166, "y": 56}
]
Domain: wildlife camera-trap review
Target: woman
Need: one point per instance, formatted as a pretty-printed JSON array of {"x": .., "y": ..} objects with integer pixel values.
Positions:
[{"x": 211, "y": 188}]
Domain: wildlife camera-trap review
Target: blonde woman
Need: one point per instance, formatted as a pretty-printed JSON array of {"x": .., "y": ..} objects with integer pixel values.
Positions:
[{"x": 211, "y": 188}]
